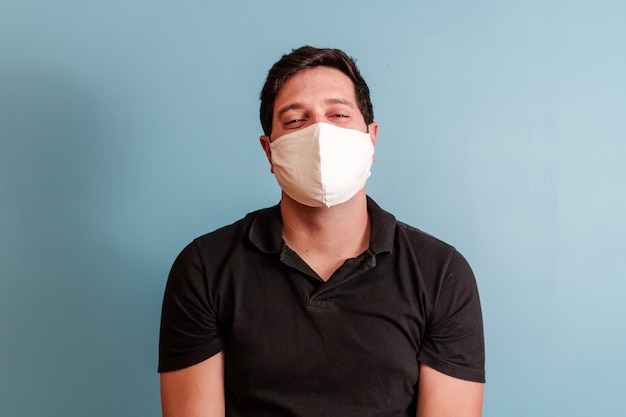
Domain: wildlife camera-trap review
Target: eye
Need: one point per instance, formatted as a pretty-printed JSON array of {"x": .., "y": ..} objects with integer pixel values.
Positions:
[
  {"x": 339, "y": 117},
  {"x": 294, "y": 123}
]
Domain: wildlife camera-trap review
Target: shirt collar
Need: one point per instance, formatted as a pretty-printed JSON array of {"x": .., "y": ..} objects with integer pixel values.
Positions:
[{"x": 266, "y": 229}]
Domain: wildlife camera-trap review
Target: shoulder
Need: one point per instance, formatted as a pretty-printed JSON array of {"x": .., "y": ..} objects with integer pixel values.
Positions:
[
  {"x": 241, "y": 232},
  {"x": 390, "y": 234},
  {"x": 218, "y": 246},
  {"x": 430, "y": 262},
  {"x": 418, "y": 236},
  {"x": 424, "y": 245},
  {"x": 228, "y": 234},
  {"x": 431, "y": 251}
]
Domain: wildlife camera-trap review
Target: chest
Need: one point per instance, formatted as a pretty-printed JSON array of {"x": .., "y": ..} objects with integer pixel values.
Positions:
[{"x": 355, "y": 337}]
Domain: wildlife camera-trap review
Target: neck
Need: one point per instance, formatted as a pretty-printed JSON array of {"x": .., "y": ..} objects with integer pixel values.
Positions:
[{"x": 326, "y": 237}]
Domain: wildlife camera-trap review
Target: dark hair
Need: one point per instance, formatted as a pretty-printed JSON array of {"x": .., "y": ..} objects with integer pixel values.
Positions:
[{"x": 309, "y": 57}]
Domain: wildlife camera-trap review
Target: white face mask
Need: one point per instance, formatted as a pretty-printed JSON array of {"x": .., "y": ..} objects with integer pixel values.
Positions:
[{"x": 322, "y": 164}]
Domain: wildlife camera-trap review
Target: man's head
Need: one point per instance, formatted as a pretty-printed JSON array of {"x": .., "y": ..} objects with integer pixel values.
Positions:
[{"x": 308, "y": 57}]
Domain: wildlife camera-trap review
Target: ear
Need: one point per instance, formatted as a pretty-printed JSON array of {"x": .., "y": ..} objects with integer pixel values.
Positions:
[
  {"x": 265, "y": 144},
  {"x": 372, "y": 129}
]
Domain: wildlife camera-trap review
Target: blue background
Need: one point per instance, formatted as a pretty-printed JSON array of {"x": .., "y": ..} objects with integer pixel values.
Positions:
[{"x": 127, "y": 128}]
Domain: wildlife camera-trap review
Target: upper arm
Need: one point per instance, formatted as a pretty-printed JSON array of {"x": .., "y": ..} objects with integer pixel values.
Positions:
[
  {"x": 440, "y": 395},
  {"x": 190, "y": 330},
  {"x": 195, "y": 391},
  {"x": 453, "y": 340}
]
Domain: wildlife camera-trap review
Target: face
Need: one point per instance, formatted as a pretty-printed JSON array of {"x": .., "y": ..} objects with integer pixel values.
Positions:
[{"x": 315, "y": 95}]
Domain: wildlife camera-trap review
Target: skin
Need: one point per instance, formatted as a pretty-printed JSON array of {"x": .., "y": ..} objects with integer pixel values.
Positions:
[
  {"x": 441, "y": 395},
  {"x": 196, "y": 391},
  {"x": 324, "y": 238}
]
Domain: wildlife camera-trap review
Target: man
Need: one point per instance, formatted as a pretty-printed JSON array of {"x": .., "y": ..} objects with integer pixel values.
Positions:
[{"x": 323, "y": 305}]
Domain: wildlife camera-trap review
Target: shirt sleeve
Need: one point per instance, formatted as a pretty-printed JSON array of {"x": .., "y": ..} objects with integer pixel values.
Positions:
[
  {"x": 454, "y": 341},
  {"x": 189, "y": 328}
]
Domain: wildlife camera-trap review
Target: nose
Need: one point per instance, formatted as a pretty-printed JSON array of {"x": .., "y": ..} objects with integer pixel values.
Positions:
[{"x": 316, "y": 117}]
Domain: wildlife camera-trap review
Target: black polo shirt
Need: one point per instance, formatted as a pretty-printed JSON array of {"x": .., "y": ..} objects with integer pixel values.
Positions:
[{"x": 298, "y": 346}]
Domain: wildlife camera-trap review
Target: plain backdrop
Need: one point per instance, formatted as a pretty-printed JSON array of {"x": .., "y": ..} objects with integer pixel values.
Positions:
[{"x": 127, "y": 128}]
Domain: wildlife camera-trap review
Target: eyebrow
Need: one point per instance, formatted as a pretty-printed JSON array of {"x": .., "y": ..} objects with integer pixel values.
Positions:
[
  {"x": 294, "y": 106},
  {"x": 330, "y": 101}
]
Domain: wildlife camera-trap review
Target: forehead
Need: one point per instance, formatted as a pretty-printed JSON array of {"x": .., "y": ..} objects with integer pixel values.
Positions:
[{"x": 313, "y": 84}]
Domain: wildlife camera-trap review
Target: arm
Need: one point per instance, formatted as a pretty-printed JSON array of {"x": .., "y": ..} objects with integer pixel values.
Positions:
[
  {"x": 440, "y": 395},
  {"x": 196, "y": 391}
]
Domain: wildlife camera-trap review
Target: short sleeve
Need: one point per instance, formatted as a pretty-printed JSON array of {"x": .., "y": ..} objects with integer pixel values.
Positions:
[
  {"x": 189, "y": 328},
  {"x": 454, "y": 341}
]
